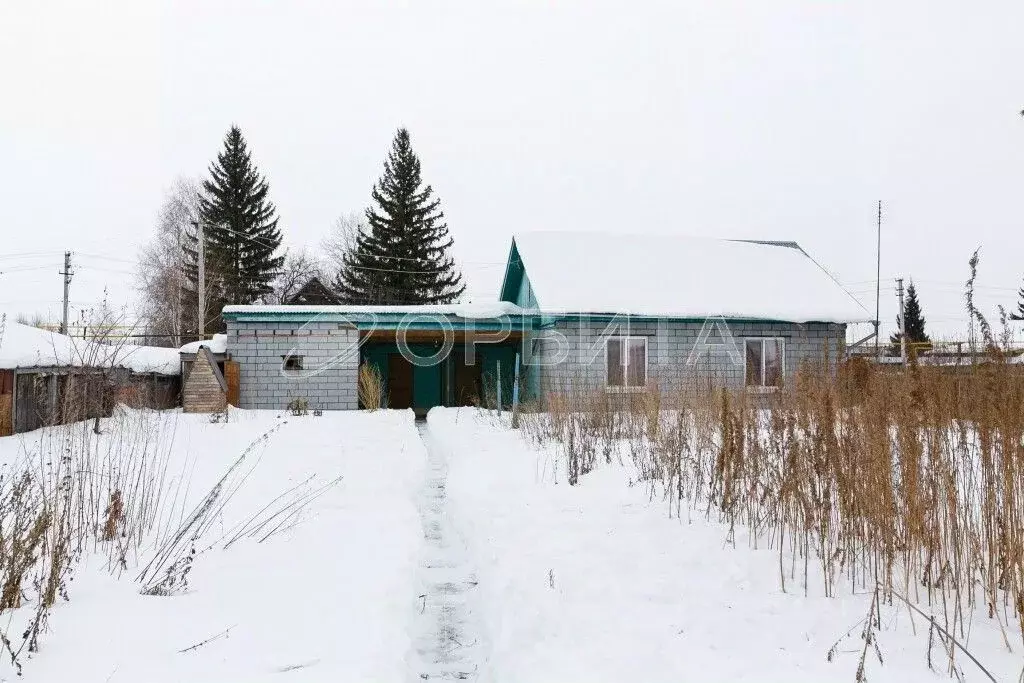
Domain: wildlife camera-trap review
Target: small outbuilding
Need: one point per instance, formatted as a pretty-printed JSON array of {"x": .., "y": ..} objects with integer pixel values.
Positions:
[
  {"x": 48, "y": 378},
  {"x": 205, "y": 390},
  {"x": 217, "y": 381}
]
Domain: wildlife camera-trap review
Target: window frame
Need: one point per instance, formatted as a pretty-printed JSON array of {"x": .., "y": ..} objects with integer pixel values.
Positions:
[
  {"x": 625, "y": 387},
  {"x": 298, "y": 361},
  {"x": 761, "y": 387}
]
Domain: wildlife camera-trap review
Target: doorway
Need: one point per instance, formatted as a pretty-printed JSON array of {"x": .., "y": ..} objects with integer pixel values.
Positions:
[{"x": 399, "y": 381}]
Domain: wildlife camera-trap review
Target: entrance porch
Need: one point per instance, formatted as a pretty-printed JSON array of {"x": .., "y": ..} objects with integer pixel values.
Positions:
[{"x": 417, "y": 370}]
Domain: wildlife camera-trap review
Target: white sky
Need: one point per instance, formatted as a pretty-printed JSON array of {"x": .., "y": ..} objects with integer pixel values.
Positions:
[{"x": 781, "y": 120}]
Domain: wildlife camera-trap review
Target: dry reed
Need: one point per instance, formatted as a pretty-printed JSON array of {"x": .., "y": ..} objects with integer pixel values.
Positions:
[
  {"x": 370, "y": 388},
  {"x": 910, "y": 481}
]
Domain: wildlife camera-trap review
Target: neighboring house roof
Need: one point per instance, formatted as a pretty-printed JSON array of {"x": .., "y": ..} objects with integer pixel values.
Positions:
[
  {"x": 24, "y": 346},
  {"x": 674, "y": 276},
  {"x": 314, "y": 292},
  {"x": 217, "y": 344}
]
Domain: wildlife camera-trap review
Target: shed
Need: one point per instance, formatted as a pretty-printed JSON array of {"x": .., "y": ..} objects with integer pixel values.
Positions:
[
  {"x": 204, "y": 390},
  {"x": 48, "y": 378},
  {"x": 216, "y": 347}
]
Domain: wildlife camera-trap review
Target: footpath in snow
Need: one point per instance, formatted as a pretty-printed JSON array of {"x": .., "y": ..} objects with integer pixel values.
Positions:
[
  {"x": 596, "y": 583},
  {"x": 448, "y": 641},
  {"x": 454, "y": 551}
]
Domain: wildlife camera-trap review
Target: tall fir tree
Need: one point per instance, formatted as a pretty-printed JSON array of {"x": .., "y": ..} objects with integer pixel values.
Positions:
[
  {"x": 914, "y": 321},
  {"x": 401, "y": 255},
  {"x": 240, "y": 222}
]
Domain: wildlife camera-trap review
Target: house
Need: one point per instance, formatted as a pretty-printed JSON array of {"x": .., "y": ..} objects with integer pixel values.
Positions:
[
  {"x": 48, "y": 378},
  {"x": 626, "y": 311},
  {"x": 314, "y": 293},
  {"x": 618, "y": 313}
]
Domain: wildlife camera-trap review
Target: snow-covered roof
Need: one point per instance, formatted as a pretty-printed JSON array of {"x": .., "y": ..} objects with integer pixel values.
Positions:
[
  {"x": 217, "y": 344},
  {"x": 675, "y": 276},
  {"x": 24, "y": 346},
  {"x": 477, "y": 310}
]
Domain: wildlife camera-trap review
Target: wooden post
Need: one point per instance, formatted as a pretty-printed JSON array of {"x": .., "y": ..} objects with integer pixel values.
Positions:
[
  {"x": 515, "y": 395},
  {"x": 232, "y": 380},
  {"x": 499, "y": 388},
  {"x": 201, "y": 281}
]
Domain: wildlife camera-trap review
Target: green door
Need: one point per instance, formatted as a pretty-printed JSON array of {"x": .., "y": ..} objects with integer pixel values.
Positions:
[{"x": 426, "y": 388}]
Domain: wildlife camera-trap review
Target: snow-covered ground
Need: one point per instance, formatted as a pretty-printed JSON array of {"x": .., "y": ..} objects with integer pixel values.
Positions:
[
  {"x": 329, "y": 600},
  {"x": 596, "y": 583},
  {"x": 458, "y": 553}
]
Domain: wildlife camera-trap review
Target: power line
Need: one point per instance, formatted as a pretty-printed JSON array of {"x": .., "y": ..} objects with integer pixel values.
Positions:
[
  {"x": 267, "y": 243},
  {"x": 23, "y": 269},
  {"x": 107, "y": 270},
  {"x": 30, "y": 254},
  {"x": 105, "y": 258}
]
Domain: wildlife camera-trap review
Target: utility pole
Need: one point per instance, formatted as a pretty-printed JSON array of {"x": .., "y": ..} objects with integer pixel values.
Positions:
[
  {"x": 878, "y": 285},
  {"x": 178, "y": 284},
  {"x": 201, "y": 284},
  {"x": 878, "y": 290},
  {"x": 903, "y": 322},
  {"x": 67, "y": 273}
]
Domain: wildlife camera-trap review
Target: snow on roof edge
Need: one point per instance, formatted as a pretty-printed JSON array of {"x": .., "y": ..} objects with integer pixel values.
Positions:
[
  {"x": 24, "y": 346},
  {"x": 217, "y": 344}
]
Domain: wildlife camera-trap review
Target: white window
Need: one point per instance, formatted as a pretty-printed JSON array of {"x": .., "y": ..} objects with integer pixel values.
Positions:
[
  {"x": 766, "y": 363},
  {"x": 625, "y": 360}
]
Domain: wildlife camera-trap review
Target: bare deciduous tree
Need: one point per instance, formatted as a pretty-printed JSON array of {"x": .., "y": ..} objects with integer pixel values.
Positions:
[
  {"x": 167, "y": 300},
  {"x": 299, "y": 268},
  {"x": 341, "y": 241}
]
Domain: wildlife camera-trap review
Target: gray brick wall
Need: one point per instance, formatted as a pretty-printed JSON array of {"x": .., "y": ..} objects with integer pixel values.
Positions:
[
  {"x": 673, "y": 362},
  {"x": 330, "y": 359}
]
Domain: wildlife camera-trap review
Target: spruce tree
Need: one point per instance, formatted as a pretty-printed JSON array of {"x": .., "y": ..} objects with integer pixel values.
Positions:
[
  {"x": 240, "y": 222},
  {"x": 914, "y": 321},
  {"x": 401, "y": 255}
]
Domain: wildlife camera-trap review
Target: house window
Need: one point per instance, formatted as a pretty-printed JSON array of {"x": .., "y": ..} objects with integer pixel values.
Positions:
[
  {"x": 293, "y": 363},
  {"x": 766, "y": 363},
  {"x": 625, "y": 361}
]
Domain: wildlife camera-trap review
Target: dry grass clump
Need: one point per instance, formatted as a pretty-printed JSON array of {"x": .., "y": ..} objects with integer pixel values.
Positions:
[
  {"x": 71, "y": 491},
  {"x": 908, "y": 480},
  {"x": 370, "y": 388}
]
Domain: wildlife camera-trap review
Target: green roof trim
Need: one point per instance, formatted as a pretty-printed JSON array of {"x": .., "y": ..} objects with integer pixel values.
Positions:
[
  {"x": 383, "y": 321},
  {"x": 513, "y": 275}
]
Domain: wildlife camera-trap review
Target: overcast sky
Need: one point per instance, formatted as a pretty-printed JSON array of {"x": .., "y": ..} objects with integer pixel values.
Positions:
[{"x": 769, "y": 120}]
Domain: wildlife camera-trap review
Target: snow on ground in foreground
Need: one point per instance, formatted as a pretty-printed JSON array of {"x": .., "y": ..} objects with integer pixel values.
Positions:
[
  {"x": 596, "y": 583},
  {"x": 329, "y": 600}
]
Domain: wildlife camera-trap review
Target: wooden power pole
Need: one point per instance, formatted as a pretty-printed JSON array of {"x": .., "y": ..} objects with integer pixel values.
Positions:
[
  {"x": 201, "y": 284},
  {"x": 67, "y": 273},
  {"x": 903, "y": 322},
  {"x": 878, "y": 286}
]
